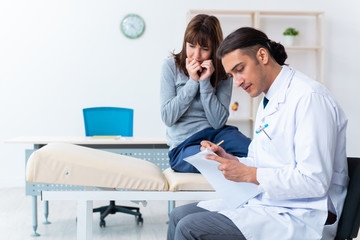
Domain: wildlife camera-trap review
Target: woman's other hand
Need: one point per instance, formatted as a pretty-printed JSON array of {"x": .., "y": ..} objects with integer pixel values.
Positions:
[
  {"x": 207, "y": 69},
  {"x": 194, "y": 69}
]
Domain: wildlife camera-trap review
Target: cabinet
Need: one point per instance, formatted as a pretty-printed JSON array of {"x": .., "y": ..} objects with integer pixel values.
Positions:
[{"x": 306, "y": 55}]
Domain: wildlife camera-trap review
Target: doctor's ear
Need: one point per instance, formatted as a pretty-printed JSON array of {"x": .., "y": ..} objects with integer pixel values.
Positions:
[{"x": 262, "y": 55}]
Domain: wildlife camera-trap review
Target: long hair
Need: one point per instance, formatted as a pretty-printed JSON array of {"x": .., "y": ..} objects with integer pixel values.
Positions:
[
  {"x": 203, "y": 29},
  {"x": 249, "y": 40}
]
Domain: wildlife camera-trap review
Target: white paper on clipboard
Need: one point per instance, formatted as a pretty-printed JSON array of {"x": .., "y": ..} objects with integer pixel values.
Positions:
[{"x": 233, "y": 193}]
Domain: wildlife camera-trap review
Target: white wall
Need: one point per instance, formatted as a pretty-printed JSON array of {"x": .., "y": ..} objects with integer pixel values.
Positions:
[{"x": 57, "y": 57}]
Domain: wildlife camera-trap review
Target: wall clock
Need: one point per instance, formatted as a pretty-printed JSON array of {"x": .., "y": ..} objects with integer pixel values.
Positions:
[{"x": 132, "y": 26}]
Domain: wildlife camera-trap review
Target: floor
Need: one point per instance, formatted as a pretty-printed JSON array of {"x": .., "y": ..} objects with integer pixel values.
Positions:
[{"x": 16, "y": 220}]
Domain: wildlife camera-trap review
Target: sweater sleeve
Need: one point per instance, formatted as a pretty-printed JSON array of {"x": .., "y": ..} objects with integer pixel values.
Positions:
[
  {"x": 174, "y": 101},
  {"x": 216, "y": 101}
]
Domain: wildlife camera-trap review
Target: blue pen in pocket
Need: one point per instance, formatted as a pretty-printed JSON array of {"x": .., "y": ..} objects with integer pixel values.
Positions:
[{"x": 262, "y": 129}]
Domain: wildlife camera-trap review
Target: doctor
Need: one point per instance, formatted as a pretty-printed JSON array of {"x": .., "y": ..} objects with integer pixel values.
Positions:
[{"x": 297, "y": 157}]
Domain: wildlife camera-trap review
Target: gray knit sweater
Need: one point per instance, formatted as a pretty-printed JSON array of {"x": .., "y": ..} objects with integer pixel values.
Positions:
[{"x": 188, "y": 107}]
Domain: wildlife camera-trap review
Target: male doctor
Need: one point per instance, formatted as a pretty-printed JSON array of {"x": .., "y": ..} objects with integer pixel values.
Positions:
[{"x": 297, "y": 157}]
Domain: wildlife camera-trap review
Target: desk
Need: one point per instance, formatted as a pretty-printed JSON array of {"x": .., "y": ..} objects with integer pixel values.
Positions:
[{"x": 153, "y": 149}]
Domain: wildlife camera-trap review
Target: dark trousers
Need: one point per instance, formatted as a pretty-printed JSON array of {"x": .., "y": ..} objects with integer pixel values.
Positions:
[
  {"x": 189, "y": 222},
  {"x": 234, "y": 143}
]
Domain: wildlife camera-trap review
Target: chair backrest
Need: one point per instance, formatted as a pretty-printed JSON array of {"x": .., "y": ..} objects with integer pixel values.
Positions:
[
  {"x": 349, "y": 222},
  {"x": 108, "y": 121}
]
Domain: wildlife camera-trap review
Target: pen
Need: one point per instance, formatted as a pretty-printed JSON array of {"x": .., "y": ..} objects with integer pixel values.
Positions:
[
  {"x": 262, "y": 129},
  {"x": 220, "y": 142}
]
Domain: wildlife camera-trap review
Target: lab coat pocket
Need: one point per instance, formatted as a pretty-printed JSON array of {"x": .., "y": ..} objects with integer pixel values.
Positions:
[{"x": 278, "y": 150}]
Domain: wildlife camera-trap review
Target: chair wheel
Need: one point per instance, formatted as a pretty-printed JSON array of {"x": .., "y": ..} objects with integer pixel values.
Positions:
[
  {"x": 139, "y": 220},
  {"x": 102, "y": 223}
]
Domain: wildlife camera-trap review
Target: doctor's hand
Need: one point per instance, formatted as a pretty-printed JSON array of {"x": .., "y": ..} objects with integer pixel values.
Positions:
[
  {"x": 216, "y": 149},
  {"x": 235, "y": 170},
  {"x": 213, "y": 147}
]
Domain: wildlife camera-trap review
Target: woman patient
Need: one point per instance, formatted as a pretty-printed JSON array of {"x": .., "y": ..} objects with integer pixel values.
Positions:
[{"x": 195, "y": 96}]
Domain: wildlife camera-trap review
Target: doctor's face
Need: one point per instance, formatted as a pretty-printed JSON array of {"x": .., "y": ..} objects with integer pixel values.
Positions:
[{"x": 247, "y": 73}]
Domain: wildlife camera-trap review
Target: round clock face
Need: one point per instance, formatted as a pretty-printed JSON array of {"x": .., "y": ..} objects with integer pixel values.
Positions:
[{"x": 132, "y": 26}]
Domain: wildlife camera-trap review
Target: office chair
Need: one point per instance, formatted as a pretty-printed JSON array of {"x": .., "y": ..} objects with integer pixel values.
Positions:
[
  {"x": 111, "y": 121},
  {"x": 349, "y": 222},
  {"x": 108, "y": 121}
]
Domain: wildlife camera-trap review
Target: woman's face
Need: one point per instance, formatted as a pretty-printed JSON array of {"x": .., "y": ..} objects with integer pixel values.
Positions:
[{"x": 198, "y": 52}]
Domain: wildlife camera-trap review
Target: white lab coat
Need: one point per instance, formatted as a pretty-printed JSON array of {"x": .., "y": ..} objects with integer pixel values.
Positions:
[{"x": 302, "y": 169}]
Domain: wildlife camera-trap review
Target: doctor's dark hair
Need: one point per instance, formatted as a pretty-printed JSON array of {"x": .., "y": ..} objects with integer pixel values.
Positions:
[
  {"x": 204, "y": 30},
  {"x": 249, "y": 40}
]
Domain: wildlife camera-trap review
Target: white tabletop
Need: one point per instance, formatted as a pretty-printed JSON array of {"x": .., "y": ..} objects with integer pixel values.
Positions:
[{"x": 87, "y": 140}]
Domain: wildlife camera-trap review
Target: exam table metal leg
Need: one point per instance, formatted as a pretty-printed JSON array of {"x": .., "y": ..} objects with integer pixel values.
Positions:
[
  {"x": 46, "y": 212},
  {"x": 34, "y": 216},
  {"x": 171, "y": 206},
  {"x": 84, "y": 220}
]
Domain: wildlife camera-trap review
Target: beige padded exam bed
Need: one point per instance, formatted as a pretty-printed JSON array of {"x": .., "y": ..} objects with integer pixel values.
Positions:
[
  {"x": 107, "y": 173},
  {"x": 64, "y": 163}
]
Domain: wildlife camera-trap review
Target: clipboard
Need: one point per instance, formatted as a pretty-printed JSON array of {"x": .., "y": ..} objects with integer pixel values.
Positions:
[{"x": 233, "y": 193}]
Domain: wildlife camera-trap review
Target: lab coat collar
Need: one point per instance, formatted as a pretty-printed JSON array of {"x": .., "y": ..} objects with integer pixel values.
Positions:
[{"x": 277, "y": 91}]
